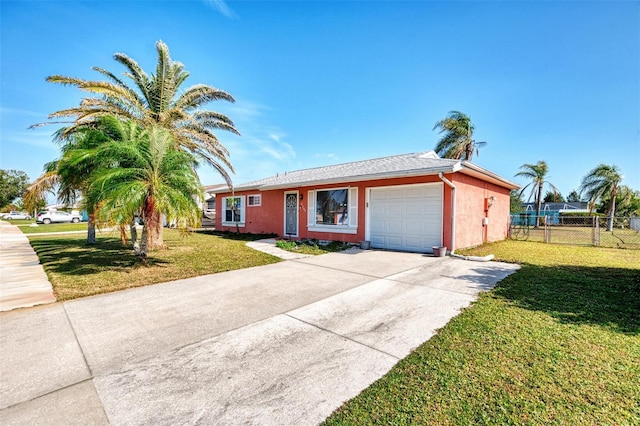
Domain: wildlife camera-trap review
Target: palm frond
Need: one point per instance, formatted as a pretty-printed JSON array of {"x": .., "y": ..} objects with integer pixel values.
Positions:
[{"x": 200, "y": 94}]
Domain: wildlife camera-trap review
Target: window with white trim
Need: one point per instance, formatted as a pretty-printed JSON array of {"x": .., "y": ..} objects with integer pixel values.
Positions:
[
  {"x": 333, "y": 210},
  {"x": 233, "y": 211},
  {"x": 254, "y": 200}
]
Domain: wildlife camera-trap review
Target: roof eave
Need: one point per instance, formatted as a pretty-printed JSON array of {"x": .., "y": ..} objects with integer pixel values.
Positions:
[
  {"x": 358, "y": 178},
  {"x": 486, "y": 175}
]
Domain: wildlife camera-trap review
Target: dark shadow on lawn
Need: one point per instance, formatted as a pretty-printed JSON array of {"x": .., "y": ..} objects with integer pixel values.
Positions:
[
  {"x": 609, "y": 297},
  {"x": 73, "y": 256}
]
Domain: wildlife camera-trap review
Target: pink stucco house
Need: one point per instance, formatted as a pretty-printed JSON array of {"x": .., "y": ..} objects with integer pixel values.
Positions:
[{"x": 408, "y": 202}]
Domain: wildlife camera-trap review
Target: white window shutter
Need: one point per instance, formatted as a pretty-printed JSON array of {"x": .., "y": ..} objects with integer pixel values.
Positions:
[
  {"x": 353, "y": 207},
  {"x": 242, "y": 209},
  {"x": 311, "y": 208}
]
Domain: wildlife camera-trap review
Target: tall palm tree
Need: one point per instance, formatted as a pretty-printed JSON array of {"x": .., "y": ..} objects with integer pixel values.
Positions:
[
  {"x": 155, "y": 100},
  {"x": 151, "y": 176},
  {"x": 538, "y": 174},
  {"x": 457, "y": 142},
  {"x": 602, "y": 180}
]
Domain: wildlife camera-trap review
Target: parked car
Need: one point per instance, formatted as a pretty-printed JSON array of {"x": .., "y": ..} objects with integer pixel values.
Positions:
[
  {"x": 55, "y": 216},
  {"x": 16, "y": 215}
]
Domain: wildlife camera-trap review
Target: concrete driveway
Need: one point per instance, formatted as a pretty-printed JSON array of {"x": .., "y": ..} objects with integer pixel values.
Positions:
[{"x": 282, "y": 344}]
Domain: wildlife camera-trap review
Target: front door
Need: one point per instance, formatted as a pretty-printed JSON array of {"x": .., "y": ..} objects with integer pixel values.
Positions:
[{"x": 291, "y": 214}]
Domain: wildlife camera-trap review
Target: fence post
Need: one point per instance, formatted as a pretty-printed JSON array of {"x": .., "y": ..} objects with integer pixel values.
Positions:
[
  {"x": 596, "y": 231},
  {"x": 546, "y": 230}
]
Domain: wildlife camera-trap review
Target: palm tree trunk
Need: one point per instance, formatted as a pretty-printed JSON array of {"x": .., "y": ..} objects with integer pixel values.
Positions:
[
  {"x": 134, "y": 239},
  {"x": 144, "y": 245},
  {"x": 538, "y": 205},
  {"x": 123, "y": 234},
  {"x": 91, "y": 229},
  {"x": 152, "y": 225}
]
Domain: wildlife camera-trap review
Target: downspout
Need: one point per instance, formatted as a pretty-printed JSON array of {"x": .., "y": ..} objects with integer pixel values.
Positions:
[{"x": 453, "y": 210}]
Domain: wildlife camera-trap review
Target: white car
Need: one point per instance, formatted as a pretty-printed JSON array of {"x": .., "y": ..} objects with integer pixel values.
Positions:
[
  {"x": 16, "y": 215},
  {"x": 51, "y": 217}
]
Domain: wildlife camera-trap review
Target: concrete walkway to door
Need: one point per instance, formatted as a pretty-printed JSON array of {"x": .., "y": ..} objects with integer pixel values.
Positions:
[{"x": 281, "y": 344}]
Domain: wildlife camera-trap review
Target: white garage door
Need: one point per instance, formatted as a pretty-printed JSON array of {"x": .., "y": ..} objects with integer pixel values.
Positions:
[{"x": 407, "y": 218}]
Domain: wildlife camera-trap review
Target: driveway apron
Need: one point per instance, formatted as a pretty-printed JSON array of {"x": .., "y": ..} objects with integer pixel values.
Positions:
[{"x": 280, "y": 344}]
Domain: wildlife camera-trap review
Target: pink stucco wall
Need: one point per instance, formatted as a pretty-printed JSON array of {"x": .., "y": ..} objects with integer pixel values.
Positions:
[
  {"x": 471, "y": 209},
  {"x": 269, "y": 217}
]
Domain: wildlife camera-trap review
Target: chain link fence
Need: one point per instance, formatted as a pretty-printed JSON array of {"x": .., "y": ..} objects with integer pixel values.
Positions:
[{"x": 619, "y": 232}]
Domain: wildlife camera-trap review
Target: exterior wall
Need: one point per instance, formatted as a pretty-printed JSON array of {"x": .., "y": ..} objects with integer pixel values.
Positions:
[
  {"x": 471, "y": 209},
  {"x": 269, "y": 218}
]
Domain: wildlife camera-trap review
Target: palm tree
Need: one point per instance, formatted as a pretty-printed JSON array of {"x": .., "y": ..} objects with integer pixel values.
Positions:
[
  {"x": 457, "y": 142},
  {"x": 150, "y": 176},
  {"x": 600, "y": 181},
  {"x": 67, "y": 177},
  {"x": 155, "y": 100},
  {"x": 537, "y": 173}
]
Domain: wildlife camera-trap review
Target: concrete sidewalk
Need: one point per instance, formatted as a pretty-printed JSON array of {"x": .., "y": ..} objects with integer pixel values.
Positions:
[
  {"x": 285, "y": 343},
  {"x": 23, "y": 282}
]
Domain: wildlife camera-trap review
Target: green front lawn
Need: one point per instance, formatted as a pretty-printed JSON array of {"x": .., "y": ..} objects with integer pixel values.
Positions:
[
  {"x": 557, "y": 342},
  {"x": 53, "y": 227},
  {"x": 76, "y": 269}
]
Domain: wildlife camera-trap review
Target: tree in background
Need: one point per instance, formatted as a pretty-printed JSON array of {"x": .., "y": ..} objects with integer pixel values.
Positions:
[
  {"x": 516, "y": 201},
  {"x": 627, "y": 202},
  {"x": 156, "y": 100},
  {"x": 573, "y": 197},
  {"x": 13, "y": 183},
  {"x": 457, "y": 141},
  {"x": 602, "y": 181},
  {"x": 538, "y": 174},
  {"x": 553, "y": 197}
]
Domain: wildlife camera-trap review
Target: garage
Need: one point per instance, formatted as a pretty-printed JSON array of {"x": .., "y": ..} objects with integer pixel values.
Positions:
[{"x": 406, "y": 218}]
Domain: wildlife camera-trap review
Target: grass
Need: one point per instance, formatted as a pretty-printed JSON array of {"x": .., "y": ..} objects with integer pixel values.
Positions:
[
  {"x": 76, "y": 269},
  {"x": 622, "y": 238},
  {"x": 53, "y": 227},
  {"x": 557, "y": 342},
  {"x": 311, "y": 247}
]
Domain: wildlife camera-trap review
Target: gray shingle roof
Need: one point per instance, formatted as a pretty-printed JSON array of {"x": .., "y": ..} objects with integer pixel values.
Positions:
[
  {"x": 414, "y": 164},
  {"x": 397, "y": 165}
]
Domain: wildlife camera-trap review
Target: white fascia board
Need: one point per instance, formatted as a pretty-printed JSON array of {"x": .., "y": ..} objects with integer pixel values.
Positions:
[
  {"x": 484, "y": 174},
  {"x": 227, "y": 189}
]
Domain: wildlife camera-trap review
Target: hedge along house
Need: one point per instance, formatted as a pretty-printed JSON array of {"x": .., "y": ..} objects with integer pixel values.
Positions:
[{"x": 409, "y": 202}]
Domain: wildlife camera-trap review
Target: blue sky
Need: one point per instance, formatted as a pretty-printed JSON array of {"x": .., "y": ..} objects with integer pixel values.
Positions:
[{"x": 325, "y": 82}]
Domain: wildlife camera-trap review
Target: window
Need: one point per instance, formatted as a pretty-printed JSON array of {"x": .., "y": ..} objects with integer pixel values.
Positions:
[
  {"x": 254, "y": 200},
  {"x": 332, "y": 207},
  {"x": 333, "y": 210},
  {"x": 233, "y": 211}
]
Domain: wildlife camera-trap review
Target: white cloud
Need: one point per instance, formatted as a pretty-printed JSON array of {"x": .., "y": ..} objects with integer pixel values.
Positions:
[{"x": 222, "y": 7}]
